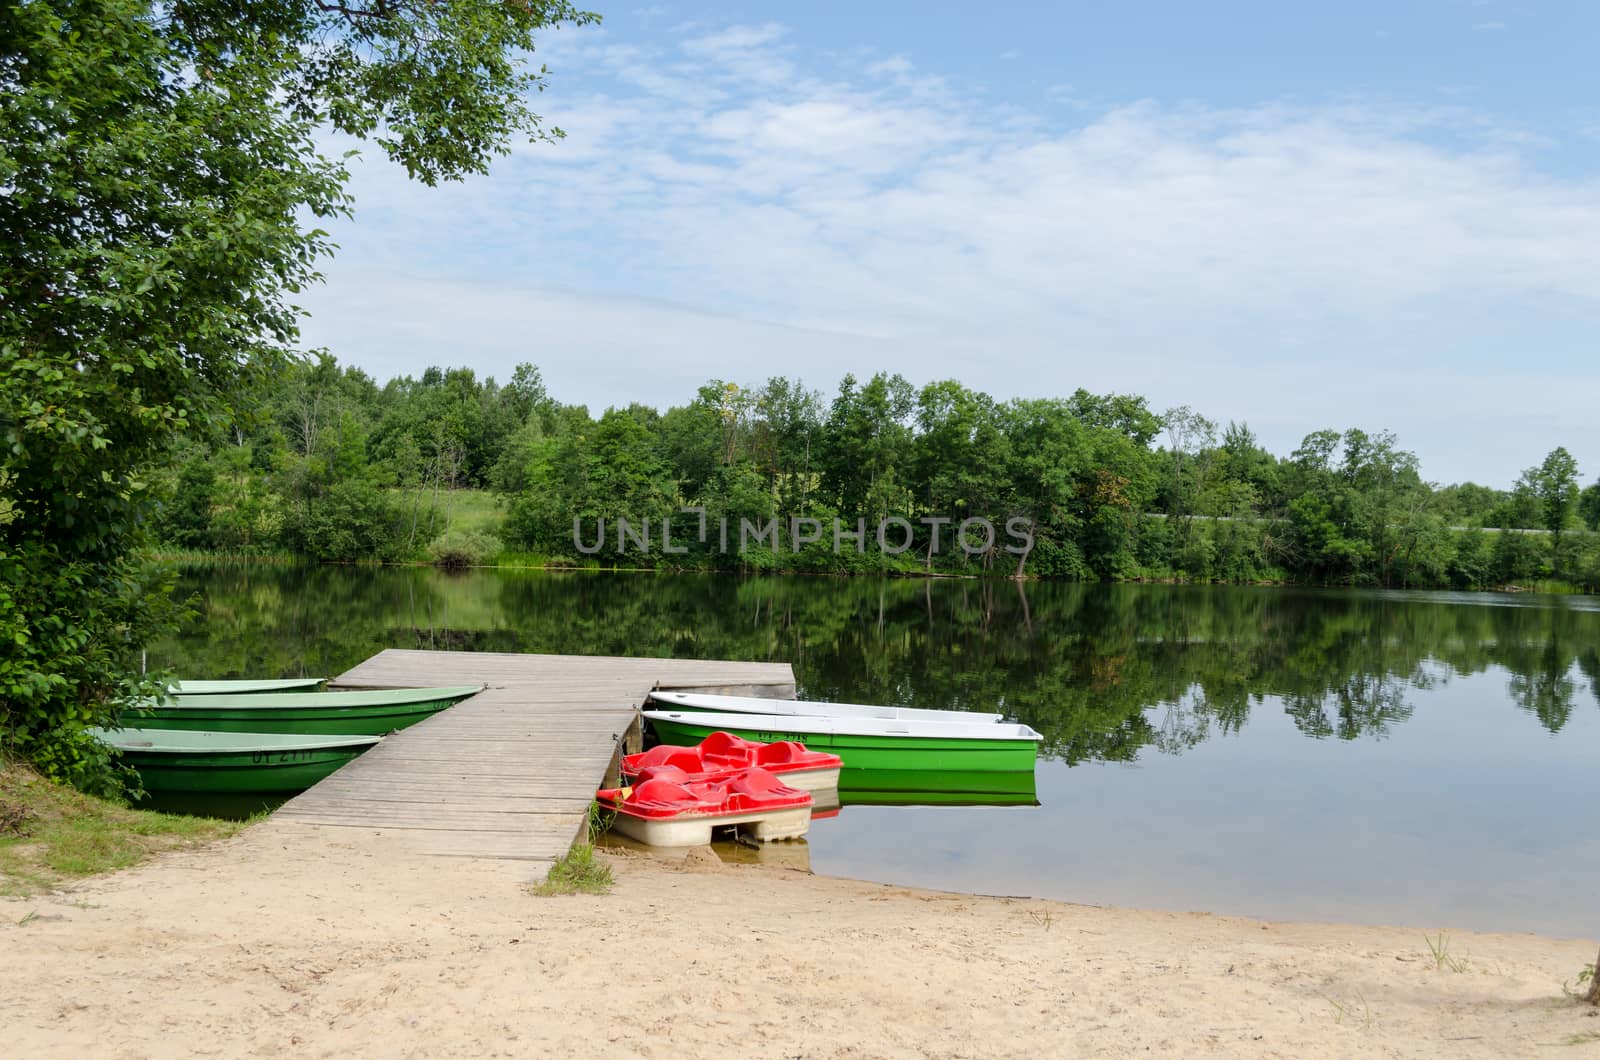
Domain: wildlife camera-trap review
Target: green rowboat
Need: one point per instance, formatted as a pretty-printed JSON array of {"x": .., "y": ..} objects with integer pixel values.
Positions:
[
  {"x": 245, "y": 686},
  {"x": 368, "y": 713},
  {"x": 227, "y": 762},
  {"x": 890, "y": 756}
]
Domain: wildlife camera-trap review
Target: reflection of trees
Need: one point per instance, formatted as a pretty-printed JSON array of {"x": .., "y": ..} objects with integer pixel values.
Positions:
[
  {"x": 1188, "y": 722},
  {"x": 1547, "y": 689},
  {"x": 1365, "y": 705},
  {"x": 1589, "y": 663},
  {"x": 1101, "y": 671}
]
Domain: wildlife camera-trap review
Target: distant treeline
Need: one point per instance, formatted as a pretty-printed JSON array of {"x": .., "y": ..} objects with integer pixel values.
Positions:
[{"x": 327, "y": 464}]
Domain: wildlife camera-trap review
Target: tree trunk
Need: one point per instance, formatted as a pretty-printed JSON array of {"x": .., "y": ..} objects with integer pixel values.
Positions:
[
  {"x": 416, "y": 509},
  {"x": 1593, "y": 996},
  {"x": 1022, "y": 562}
]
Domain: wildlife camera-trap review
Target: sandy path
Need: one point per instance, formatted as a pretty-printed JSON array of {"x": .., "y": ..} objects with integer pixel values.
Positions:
[{"x": 293, "y": 941}]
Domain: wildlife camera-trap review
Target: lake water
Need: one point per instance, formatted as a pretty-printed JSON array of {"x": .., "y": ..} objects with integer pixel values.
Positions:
[{"x": 1386, "y": 757}]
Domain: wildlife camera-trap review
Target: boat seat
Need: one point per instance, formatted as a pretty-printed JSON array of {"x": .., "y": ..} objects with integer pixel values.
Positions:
[
  {"x": 673, "y": 773},
  {"x": 726, "y": 745},
  {"x": 685, "y": 758},
  {"x": 780, "y": 753}
]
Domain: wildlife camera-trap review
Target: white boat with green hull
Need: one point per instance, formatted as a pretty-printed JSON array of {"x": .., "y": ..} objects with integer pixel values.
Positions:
[
  {"x": 369, "y": 712},
  {"x": 882, "y": 754},
  {"x": 701, "y": 701}
]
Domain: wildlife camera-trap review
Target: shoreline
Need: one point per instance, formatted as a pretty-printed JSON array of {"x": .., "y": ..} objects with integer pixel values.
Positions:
[
  {"x": 1545, "y": 587},
  {"x": 294, "y": 939}
]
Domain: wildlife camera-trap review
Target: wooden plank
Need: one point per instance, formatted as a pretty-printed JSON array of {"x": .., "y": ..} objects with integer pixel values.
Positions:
[
  {"x": 479, "y": 784},
  {"x": 432, "y": 817},
  {"x": 526, "y": 816}
]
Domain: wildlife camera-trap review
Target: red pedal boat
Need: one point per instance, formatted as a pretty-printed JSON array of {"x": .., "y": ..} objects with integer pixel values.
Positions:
[
  {"x": 672, "y": 809},
  {"x": 722, "y": 755}
]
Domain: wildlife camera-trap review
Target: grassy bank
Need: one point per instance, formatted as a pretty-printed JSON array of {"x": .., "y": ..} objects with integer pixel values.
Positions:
[{"x": 51, "y": 835}]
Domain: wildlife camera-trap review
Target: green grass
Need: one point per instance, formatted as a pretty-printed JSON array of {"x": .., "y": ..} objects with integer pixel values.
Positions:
[
  {"x": 578, "y": 871},
  {"x": 50, "y": 834},
  {"x": 452, "y": 510},
  {"x": 475, "y": 510},
  {"x": 1439, "y": 949},
  {"x": 538, "y": 560}
]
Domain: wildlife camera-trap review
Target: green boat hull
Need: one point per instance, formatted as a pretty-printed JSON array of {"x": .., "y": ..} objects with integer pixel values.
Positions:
[
  {"x": 895, "y": 764},
  {"x": 323, "y": 714},
  {"x": 238, "y": 773},
  {"x": 229, "y": 763}
]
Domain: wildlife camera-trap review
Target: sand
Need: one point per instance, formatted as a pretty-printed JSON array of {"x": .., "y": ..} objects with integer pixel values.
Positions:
[{"x": 290, "y": 940}]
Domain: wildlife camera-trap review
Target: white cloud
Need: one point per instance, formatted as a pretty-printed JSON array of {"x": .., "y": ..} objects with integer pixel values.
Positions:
[
  {"x": 716, "y": 207},
  {"x": 746, "y": 54}
]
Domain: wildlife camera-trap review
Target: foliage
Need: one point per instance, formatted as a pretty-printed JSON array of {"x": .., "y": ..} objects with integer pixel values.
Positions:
[
  {"x": 1555, "y": 484},
  {"x": 344, "y": 522},
  {"x": 1589, "y": 506},
  {"x": 157, "y": 172},
  {"x": 463, "y": 548},
  {"x": 73, "y": 628},
  {"x": 1346, "y": 508}
]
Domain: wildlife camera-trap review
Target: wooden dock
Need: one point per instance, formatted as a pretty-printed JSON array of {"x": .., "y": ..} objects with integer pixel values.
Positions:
[{"x": 509, "y": 773}]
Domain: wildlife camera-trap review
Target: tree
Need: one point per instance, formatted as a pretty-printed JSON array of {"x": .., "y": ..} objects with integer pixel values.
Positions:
[
  {"x": 1245, "y": 461},
  {"x": 785, "y": 436},
  {"x": 1390, "y": 499},
  {"x": 694, "y": 438},
  {"x": 867, "y": 445},
  {"x": 1589, "y": 506},
  {"x": 1191, "y": 448},
  {"x": 157, "y": 168},
  {"x": 1555, "y": 484},
  {"x": 960, "y": 455}
]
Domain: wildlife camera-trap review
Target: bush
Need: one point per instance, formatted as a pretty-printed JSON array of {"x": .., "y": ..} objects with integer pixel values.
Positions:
[
  {"x": 73, "y": 631},
  {"x": 186, "y": 519},
  {"x": 454, "y": 549},
  {"x": 351, "y": 521}
]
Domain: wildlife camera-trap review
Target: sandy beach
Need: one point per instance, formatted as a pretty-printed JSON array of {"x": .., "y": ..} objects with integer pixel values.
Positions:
[{"x": 290, "y": 940}]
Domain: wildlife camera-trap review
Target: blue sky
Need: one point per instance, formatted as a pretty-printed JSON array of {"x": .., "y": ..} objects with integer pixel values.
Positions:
[{"x": 1300, "y": 216}]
